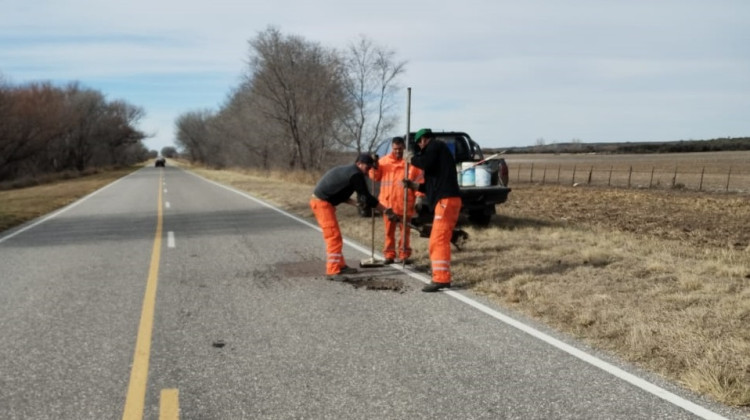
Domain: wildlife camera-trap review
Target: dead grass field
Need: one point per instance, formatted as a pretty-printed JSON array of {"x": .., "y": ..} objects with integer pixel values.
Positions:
[{"x": 660, "y": 278}]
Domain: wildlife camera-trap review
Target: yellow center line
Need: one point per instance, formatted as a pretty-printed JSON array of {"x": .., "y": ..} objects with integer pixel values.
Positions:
[
  {"x": 139, "y": 371},
  {"x": 169, "y": 408}
]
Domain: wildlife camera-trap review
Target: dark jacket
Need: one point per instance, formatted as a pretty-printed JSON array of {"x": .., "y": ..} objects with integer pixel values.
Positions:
[
  {"x": 440, "y": 176},
  {"x": 340, "y": 182}
]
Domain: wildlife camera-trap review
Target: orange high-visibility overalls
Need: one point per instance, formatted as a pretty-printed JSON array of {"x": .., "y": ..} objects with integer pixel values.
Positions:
[
  {"x": 441, "y": 185},
  {"x": 390, "y": 173},
  {"x": 446, "y": 217},
  {"x": 325, "y": 213}
]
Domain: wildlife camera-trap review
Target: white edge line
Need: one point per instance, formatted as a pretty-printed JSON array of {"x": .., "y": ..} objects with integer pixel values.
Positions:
[
  {"x": 63, "y": 210},
  {"x": 643, "y": 384}
]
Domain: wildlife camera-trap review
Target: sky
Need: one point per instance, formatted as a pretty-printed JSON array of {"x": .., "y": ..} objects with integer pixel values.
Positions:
[{"x": 510, "y": 73}]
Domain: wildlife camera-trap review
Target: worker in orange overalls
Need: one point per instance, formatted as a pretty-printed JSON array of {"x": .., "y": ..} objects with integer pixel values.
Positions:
[
  {"x": 441, "y": 187},
  {"x": 390, "y": 172},
  {"x": 336, "y": 187}
]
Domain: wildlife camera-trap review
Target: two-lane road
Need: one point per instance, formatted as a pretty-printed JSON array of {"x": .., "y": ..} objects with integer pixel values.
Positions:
[{"x": 165, "y": 294}]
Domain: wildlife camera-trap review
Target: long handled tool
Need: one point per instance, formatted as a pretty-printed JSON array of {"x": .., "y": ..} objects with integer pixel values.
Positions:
[
  {"x": 371, "y": 262},
  {"x": 406, "y": 174},
  {"x": 480, "y": 162}
]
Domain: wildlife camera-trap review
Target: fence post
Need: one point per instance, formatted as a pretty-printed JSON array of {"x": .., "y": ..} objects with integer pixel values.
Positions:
[
  {"x": 574, "y": 175},
  {"x": 674, "y": 178},
  {"x": 531, "y": 175},
  {"x": 558, "y": 173},
  {"x": 544, "y": 174},
  {"x": 729, "y": 176},
  {"x": 630, "y": 173},
  {"x": 651, "y": 181},
  {"x": 518, "y": 175},
  {"x": 609, "y": 181},
  {"x": 591, "y": 170},
  {"x": 700, "y": 186}
]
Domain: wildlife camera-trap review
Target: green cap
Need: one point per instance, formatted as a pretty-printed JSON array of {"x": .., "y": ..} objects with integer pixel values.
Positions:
[{"x": 421, "y": 133}]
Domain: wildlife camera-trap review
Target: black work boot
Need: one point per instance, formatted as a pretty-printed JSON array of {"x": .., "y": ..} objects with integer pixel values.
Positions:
[
  {"x": 348, "y": 270},
  {"x": 388, "y": 261},
  {"x": 434, "y": 287}
]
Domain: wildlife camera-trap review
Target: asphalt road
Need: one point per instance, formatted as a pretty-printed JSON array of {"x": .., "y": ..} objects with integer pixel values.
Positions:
[{"x": 167, "y": 294}]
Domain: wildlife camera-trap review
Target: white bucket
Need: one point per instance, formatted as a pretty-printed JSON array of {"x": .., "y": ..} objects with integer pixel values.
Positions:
[
  {"x": 482, "y": 175},
  {"x": 467, "y": 177}
]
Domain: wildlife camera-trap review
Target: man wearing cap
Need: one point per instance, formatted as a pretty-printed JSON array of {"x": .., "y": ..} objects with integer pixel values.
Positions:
[
  {"x": 389, "y": 171},
  {"x": 443, "y": 196},
  {"x": 336, "y": 187}
]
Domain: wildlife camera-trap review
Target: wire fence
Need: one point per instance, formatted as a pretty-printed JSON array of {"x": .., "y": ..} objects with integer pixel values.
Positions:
[{"x": 691, "y": 177}]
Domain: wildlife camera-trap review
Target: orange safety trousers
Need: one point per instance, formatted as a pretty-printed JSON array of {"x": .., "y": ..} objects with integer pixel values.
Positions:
[
  {"x": 404, "y": 249},
  {"x": 446, "y": 217},
  {"x": 325, "y": 214}
]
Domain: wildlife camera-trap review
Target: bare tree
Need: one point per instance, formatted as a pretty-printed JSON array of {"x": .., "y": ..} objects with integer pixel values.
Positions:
[
  {"x": 45, "y": 129},
  {"x": 372, "y": 71},
  {"x": 194, "y": 136},
  {"x": 32, "y": 117},
  {"x": 298, "y": 87}
]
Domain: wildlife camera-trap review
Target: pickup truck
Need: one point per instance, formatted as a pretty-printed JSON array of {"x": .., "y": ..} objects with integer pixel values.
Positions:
[{"x": 478, "y": 202}]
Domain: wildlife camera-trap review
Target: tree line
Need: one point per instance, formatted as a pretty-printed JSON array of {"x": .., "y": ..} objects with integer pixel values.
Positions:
[
  {"x": 45, "y": 129},
  {"x": 680, "y": 146},
  {"x": 298, "y": 104}
]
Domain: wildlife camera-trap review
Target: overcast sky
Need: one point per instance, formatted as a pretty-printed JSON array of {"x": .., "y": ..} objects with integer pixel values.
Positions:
[{"x": 508, "y": 72}]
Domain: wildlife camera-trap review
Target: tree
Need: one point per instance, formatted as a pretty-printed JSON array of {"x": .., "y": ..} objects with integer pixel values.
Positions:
[
  {"x": 371, "y": 85},
  {"x": 169, "y": 151},
  {"x": 31, "y": 119},
  {"x": 299, "y": 88},
  {"x": 193, "y": 135},
  {"x": 46, "y": 129}
]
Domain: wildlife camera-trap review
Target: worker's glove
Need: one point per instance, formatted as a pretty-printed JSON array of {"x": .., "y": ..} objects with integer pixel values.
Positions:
[
  {"x": 419, "y": 203},
  {"x": 393, "y": 217},
  {"x": 375, "y": 161},
  {"x": 410, "y": 184},
  {"x": 362, "y": 202}
]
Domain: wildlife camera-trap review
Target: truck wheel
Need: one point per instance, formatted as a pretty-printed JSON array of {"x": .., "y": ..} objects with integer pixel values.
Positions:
[{"x": 480, "y": 217}]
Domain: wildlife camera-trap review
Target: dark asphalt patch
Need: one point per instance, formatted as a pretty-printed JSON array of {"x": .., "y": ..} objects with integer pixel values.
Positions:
[{"x": 376, "y": 283}]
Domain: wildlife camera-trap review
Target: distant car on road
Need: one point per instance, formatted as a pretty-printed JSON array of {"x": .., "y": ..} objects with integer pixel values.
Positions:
[{"x": 160, "y": 161}]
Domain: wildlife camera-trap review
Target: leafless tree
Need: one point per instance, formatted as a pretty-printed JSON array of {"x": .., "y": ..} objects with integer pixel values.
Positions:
[
  {"x": 32, "y": 117},
  {"x": 372, "y": 71},
  {"x": 298, "y": 87},
  {"x": 45, "y": 129},
  {"x": 194, "y": 136}
]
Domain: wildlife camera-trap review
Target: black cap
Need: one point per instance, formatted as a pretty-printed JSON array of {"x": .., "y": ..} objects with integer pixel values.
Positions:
[{"x": 366, "y": 158}]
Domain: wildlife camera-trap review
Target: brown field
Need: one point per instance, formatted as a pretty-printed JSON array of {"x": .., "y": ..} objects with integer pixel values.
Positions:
[
  {"x": 659, "y": 277},
  {"x": 711, "y": 171}
]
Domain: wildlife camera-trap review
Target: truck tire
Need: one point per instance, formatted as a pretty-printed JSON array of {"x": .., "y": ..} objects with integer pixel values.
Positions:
[{"x": 480, "y": 217}]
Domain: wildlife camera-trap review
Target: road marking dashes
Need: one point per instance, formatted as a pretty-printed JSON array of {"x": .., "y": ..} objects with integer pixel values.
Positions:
[{"x": 170, "y": 239}]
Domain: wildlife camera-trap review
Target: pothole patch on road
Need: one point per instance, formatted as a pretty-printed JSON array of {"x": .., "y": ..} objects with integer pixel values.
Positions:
[{"x": 377, "y": 283}]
